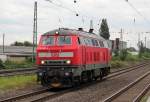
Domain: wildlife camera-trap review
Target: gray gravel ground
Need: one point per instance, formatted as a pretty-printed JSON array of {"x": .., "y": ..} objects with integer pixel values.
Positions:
[
  {"x": 100, "y": 91},
  {"x": 14, "y": 92},
  {"x": 88, "y": 94},
  {"x": 131, "y": 93}
]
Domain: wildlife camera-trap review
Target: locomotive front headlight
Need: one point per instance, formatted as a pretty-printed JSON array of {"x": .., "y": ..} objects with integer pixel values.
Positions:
[
  {"x": 40, "y": 73},
  {"x": 67, "y": 74},
  {"x": 42, "y": 62},
  {"x": 68, "y": 61}
]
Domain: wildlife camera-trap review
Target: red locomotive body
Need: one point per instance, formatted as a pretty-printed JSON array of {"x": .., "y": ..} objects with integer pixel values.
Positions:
[{"x": 66, "y": 57}]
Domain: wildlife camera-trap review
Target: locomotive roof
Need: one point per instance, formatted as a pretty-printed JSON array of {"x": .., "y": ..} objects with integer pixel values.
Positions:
[{"x": 66, "y": 31}]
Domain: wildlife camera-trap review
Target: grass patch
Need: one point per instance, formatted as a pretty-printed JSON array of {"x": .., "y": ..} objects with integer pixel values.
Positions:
[
  {"x": 129, "y": 60},
  {"x": 118, "y": 64},
  {"x": 13, "y": 65},
  {"x": 16, "y": 82},
  {"x": 144, "y": 99}
]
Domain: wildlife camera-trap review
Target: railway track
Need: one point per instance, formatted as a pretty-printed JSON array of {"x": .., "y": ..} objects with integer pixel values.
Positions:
[
  {"x": 128, "y": 67},
  {"x": 13, "y": 72},
  {"x": 129, "y": 92},
  {"x": 44, "y": 94},
  {"x": 27, "y": 71},
  {"x": 141, "y": 94}
]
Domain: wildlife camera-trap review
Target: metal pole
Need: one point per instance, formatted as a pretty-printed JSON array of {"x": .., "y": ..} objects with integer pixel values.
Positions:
[
  {"x": 121, "y": 39},
  {"x": 139, "y": 37},
  {"x": 36, "y": 23},
  {"x": 145, "y": 41},
  {"x": 3, "y": 43},
  {"x": 34, "y": 31}
]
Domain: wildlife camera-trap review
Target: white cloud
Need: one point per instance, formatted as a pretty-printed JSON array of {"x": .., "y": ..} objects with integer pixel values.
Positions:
[{"x": 16, "y": 17}]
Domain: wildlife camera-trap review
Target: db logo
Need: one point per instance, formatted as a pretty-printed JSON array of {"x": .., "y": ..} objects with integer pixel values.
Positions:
[{"x": 55, "y": 54}]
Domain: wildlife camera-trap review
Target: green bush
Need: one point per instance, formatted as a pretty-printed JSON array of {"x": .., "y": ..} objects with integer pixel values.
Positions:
[
  {"x": 123, "y": 54},
  {"x": 117, "y": 64},
  {"x": 123, "y": 59},
  {"x": 13, "y": 65},
  {"x": 131, "y": 57},
  {"x": 146, "y": 55},
  {"x": 1, "y": 64},
  {"x": 114, "y": 58},
  {"x": 116, "y": 53}
]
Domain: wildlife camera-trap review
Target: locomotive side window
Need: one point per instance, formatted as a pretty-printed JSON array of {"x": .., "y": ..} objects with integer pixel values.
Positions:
[
  {"x": 89, "y": 42},
  {"x": 48, "y": 40},
  {"x": 95, "y": 42},
  {"x": 86, "y": 41},
  {"x": 82, "y": 40},
  {"x": 64, "y": 40},
  {"x": 101, "y": 43}
]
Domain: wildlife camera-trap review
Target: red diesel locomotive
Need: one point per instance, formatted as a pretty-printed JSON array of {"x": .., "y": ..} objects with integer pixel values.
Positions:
[{"x": 66, "y": 57}]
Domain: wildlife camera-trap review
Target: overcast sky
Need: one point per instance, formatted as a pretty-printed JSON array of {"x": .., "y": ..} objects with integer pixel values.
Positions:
[{"x": 16, "y": 17}]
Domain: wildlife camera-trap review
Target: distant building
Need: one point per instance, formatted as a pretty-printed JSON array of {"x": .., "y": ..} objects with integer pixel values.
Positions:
[
  {"x": 117, "y": 44},
  {"x": 15, "y": 53},
  {"x": 16, "y": 49}
]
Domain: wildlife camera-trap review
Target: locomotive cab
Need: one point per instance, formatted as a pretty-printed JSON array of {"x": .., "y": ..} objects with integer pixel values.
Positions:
[{"x": 56, "y": 59}]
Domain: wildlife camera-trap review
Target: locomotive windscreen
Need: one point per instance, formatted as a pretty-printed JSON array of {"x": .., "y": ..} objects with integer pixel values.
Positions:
[
  {"x": 64, "y": 40},
  {"x": 56, "y": 40},
  {"x": 48, "y": 40}
]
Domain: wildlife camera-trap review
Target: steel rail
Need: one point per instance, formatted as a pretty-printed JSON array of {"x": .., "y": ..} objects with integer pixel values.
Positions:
[
  {"x": 140, "y": 96},
  {"x": 128, "y": 67},
  {"x": 125, "y": 70},
  {"x": 25, "y": 71},
  {"x": 16, "y": 70},
  {"x": 122, "y": 90},
  {"x": 18, "y": 97}
]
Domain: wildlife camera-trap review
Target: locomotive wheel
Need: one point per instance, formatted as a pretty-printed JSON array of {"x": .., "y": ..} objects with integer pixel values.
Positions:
[
  {"x": 94, "y": 77},
  {"x": 90, "y": 76},
  {"x": 101, "y": 75},
  {"x": 76, "y": 82},
  {"x": 43, "y": 81},
  {"x": 84, "y": 77}
]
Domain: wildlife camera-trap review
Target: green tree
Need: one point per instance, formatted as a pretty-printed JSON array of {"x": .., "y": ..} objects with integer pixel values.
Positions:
[
  {"x": 123, "y": 54},
  {"x": 104, "y": 30},
  {"x": 141, "y": 48},
  {"x": 27, "y": 43},
  {"x": 17, "y": 43}
]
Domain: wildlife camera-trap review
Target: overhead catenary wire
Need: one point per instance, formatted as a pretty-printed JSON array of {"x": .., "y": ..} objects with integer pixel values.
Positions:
[
  {"x": 76, "y": 10},
  {"x": 137, "y": 11},
  {"x": 61, "y": 6}
]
